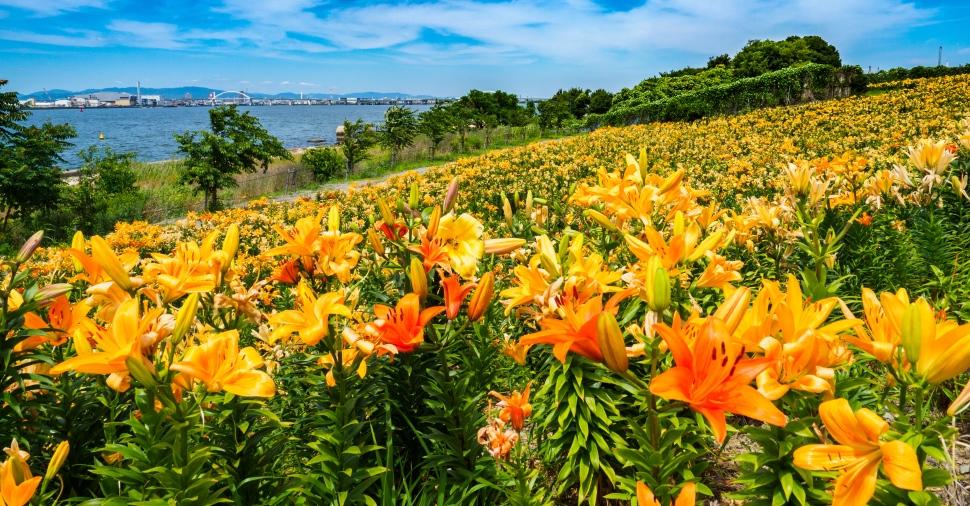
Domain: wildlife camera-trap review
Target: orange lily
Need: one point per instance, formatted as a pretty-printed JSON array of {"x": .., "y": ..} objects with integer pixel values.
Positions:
[
  {"x": 801, "y": 365},
  {"x": 713, "y": 378},
  {"x": 311, "y": 320},
  {"x": 576, "y": 330},
  {"x": 17, "y": 484},
  {"x": 515, "y": 407},
  {"x": 402, "y": 326},
  {"x": 720, "y": 273},
  {"x": 455, "y": 294},
  {"x": 218, "y": 362},
  {"x": 859, "y": 454},
  {"x": 686, "y": 497},
  {"x": 497, "y": 439},
  {"x": 940, "y": 348},
  {"x": 63, "y": 319},
  {"x": 432, "y": 251}
]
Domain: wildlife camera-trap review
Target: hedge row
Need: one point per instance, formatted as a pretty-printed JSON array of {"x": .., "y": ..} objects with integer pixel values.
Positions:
[{"x": 787, "y": 86}]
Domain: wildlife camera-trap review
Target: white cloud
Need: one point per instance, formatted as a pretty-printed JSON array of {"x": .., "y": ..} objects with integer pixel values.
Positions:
[
  {"x": 76, "y": 39},
  {"x": 45, "y": 8},
  {"x": 503, "y": 32},
  {"x": 579, "y": 30},
  {"x": 148, "y": 35}
]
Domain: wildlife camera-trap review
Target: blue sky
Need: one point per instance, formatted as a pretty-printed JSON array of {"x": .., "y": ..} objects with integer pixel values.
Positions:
[{"x": 442, "y": 48}]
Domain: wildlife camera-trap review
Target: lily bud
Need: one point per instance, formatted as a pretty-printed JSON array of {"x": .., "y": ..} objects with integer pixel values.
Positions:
[
  {"x": 657, "y": 286},
  {"x": 451, "y": 195},
  {"x": 51, "y": 292},
  {"x": 385, "y": 211},
  {"x": 139, "y": 371},
  {"x": 375, "y": 241},
  {"x": 29, "y": 247},
  {"x": 433, "y": 221},
  {"x": 418, "y": 278},
  {"x": 77, "y": 242},
  {"x": 528, "y": 203},
  {"x": 333, "y": 219},
  {"x": 609, "y": 337},
  {"x": 507, "y": 210},
  {"x": 60, "y": 455},
  {"x": 230, "y": 245},
  {"x": 503, "y": 246},
  {"x": 185, "y": 317},
  {"x": 917, "y": 317},
  {"x": 599, "y": 218},
  {"x": 547, "y": 256},
  {"x": 481, "y": 297},
  {"x": 414, "y": 198}
]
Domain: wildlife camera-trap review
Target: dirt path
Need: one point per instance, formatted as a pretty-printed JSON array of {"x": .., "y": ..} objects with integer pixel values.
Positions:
[{"x": 344, "y": 186}]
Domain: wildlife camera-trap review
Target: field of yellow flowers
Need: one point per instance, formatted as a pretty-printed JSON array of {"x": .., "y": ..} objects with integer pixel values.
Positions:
[{"x": 767, "y": 308}]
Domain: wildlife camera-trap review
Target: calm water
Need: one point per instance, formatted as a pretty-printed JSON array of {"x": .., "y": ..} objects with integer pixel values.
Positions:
[{"x": 149, "y": 132}]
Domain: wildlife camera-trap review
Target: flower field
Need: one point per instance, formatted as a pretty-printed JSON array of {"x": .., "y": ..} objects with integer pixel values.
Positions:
[{"x": 768, "y": 308}]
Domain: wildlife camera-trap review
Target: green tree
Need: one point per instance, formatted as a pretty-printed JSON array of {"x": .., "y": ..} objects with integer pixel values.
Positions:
[
  {"x": 600, "y": 101},
  {"x": 106, "y": 192},
  {"x": 30, "y": 179},
  {"x": 435, "y": 123},
  {"x": 761, "y": 56},
  {"x": 552, "y": 113},
  {"x": 237, "y": 143},
  {"x": 463, "y": 117},
  {"x": 357, "y": 140},
  {"x": 400, "y": 128}
]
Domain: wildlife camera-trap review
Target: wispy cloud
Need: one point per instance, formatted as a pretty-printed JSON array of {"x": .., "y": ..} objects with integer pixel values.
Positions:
[
  {"x": 143, "y": 34},
  {"x": 76, "y": 39},
  {"x": 52, "y": 8}
]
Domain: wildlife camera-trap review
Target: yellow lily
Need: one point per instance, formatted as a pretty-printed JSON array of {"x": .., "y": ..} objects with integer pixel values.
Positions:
[
  {"x": 17, "y": 484},
  {"x": 128, "y": 336},
  {"x": 686, "y": 497},
  {"x": 462, "y": 239},
  {"x": 218, "y": 362},
  {"x": 310, "y": 321},
  {"x": 859, "y": 454}
]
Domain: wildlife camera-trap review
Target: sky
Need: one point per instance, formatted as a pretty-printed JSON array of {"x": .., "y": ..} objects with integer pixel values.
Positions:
[{"x": 531, "y": 48}]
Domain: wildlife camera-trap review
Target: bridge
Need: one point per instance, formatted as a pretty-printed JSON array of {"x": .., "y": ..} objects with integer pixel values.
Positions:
[{"x": 231, "y": 97}]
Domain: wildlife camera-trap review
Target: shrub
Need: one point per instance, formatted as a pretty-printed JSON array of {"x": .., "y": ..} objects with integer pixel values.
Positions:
[{"x": 325, "y": 163}]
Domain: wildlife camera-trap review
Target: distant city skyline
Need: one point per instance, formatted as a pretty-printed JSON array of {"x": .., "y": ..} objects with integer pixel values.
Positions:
[{"x": 531, "y": 48}]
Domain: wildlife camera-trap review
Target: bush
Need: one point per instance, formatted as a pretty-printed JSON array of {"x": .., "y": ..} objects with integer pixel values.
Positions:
[{"x": 325, "y": 163}]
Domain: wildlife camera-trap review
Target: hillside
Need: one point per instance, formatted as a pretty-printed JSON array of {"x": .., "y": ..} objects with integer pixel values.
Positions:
[{"x": 733, "y": 156}]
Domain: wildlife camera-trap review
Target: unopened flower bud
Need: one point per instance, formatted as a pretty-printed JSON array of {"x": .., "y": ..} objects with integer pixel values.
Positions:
[
  {"x": 599, "y": 218},
  {"x": 502, "y": 246},
  {"x": 451, "y": 195},
  {"x": 139, "y": 371},
  {"x": 51, "y": 292},
  {"x": 57, "y": 461},
  {"x": 414, "y": 198},
  {"x": 29, "y": 247},
  {"x": 507, "y": 210},
  {"x": 418, "y": 278},
  {"x": 481, "y": 297},
  {"x": 385, "y": 211},
  {"x": 916, "y": 317},
  {"x": 433, "y": 221},
  {"x": 375, "y": 241},
  {"x": 185, "y": 317},
  {"x": 230, "y": 245},
  {"x": 609, "y": 337}
]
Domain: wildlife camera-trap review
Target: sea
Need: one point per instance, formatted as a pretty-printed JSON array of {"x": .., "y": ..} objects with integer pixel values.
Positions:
[{"x": 149, "y": 132}]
